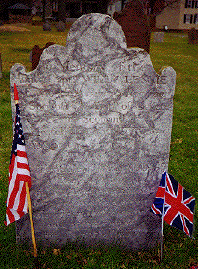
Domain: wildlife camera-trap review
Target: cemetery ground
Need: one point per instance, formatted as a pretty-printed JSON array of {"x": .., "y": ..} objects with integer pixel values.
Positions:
[{"x": 179, "y": 250}]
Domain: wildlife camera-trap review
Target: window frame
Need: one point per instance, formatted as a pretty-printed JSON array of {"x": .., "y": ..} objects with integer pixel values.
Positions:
[
  {"x": 188, "y": 18},
  {"x": 191, "y": 4},
  {"x": 195, "y": 21}
]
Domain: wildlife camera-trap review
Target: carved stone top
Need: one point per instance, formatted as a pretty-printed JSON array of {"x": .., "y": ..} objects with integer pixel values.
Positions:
[
  {"x": 97, "y": 122},
  {"x": 96, "y": 33}
]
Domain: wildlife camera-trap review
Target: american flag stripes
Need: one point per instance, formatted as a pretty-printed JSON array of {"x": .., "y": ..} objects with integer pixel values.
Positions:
[
  {"x": 19, "y": 173},
  {"x": 175, "y": 203}
]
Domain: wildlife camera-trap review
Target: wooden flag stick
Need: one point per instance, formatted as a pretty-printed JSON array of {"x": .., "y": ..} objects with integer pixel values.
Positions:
[{"x": 31, "y": 220}]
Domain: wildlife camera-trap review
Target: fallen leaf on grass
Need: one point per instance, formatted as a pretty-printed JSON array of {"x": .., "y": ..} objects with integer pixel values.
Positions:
[
  {"x": 156, "y": 262},
  {"x": 178, "y": 141},
  {"x": 56, "y": 251}
]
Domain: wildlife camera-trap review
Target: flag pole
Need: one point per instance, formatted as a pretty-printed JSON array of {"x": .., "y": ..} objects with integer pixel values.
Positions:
[
  {"x": 31, "y": 220},
  {"x": 16, "y": 99},
  {"x": 162, "y": 240}
]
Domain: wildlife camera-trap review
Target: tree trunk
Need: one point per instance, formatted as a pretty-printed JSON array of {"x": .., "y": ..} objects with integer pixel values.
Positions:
[
  {"x": 48, "y": 8},
  {"x": 61, "y": 10},
  {"x": 44, "y": 3},
  {"x": 102, "y": 6}
]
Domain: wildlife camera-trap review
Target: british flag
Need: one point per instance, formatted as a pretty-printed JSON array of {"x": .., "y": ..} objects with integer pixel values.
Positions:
[
  {"x": 175, "y": 204},
  {"x": 19, "y": 173}
]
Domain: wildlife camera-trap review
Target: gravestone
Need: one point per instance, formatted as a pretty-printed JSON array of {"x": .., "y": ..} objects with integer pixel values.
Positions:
[
  {"x": 35, "y": 54},
  {"x": 47, "y": 26},
  {"x": 193, "y": 36},
  {"x": 158, "y": 37},
  {"x": 135, "y": 25},
  {"x": 60, "y": 26},
  {"x": 97, "y": 123}
]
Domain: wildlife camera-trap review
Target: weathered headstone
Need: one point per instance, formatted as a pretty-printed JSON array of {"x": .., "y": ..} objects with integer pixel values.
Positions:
[
  {"x": 158, "y": 37},
  {"x": 36, "y": 52},
  {"x": 97, "y": 122},
  {"x": 135, "y": 25},
  {"x": 47, "y": 26},
  {"x": 60, "y": 26},
  {"x": 192, "y": 36}
]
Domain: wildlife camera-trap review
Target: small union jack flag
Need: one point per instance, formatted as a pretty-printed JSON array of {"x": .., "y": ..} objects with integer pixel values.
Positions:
[
  {"x": 19, "y": 173},
  {"x": 175, "y": 204}
]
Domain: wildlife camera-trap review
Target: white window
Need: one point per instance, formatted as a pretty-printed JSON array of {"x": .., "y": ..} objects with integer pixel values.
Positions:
[
  {"x": 191, "y": 4},
  {"x": 188, "y": 18},
  {"x": 196, "y": 18},
  {"x": 55, "y": 6}
]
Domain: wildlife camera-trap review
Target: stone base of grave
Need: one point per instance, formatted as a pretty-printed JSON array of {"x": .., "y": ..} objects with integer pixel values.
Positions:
[{"x": 145, "y": 233}]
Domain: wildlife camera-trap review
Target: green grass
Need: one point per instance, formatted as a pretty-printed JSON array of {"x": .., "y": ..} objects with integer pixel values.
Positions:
[{"x": 179, "y": 250}]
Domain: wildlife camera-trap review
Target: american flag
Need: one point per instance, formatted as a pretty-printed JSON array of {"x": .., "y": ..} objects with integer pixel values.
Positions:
[
  {"x": 175, "y": 204},
  {"x": 19, "y": 173}
]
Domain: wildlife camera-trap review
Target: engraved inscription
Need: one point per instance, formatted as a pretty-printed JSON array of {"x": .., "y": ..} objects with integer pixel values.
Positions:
[
  {"x": 124, "y": 104},
  {"x": 89, "y": 122}
]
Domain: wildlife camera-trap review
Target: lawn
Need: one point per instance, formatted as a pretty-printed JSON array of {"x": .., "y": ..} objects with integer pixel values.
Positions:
[{"x": 179, "y": 250}]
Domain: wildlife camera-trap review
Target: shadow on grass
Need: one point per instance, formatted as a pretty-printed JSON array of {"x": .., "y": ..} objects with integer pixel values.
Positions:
[{"x": 21, "y": 50}]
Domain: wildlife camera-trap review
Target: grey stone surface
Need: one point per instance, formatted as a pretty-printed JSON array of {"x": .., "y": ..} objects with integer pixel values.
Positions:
[
  {"x": 158, "y": 37},
  {"x": 60, "y": 26},
  {"x": 47, "y": 26},
  {"x": 97, "y": 120}
]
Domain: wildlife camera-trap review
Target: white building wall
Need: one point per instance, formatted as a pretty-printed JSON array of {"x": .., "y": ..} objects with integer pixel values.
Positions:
[
  {"x": 191, "y": 15},
  {"x": 173, "y": 17},
  {"x": 169, "y": 17}
]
